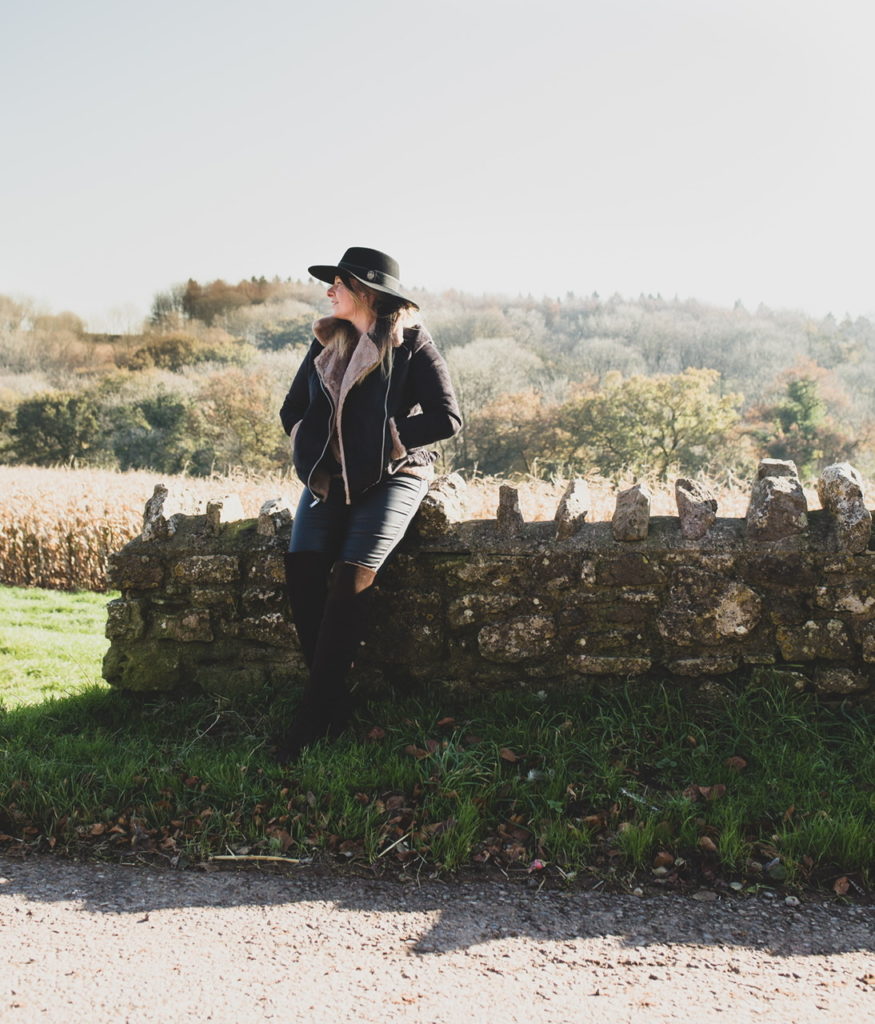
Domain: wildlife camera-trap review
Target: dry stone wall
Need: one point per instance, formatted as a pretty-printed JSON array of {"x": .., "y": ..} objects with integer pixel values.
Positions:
[{"x": 504, "y": 602}]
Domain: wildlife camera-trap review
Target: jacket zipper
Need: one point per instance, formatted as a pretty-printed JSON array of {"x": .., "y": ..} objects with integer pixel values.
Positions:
[
  {"x": 382, "y": 462},
  {"x": 385, "y": 424},
  {"x": 327, "y": 440}
]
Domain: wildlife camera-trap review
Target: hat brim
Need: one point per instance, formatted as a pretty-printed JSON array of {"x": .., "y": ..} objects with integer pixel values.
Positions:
[{"x": 328, "y": 274}]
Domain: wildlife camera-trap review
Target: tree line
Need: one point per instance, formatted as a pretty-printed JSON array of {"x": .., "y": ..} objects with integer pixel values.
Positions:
[{"x": 554, "y": 386}]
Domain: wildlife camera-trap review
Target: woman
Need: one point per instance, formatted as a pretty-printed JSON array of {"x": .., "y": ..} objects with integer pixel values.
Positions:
[{"x": 372, "y": 392}]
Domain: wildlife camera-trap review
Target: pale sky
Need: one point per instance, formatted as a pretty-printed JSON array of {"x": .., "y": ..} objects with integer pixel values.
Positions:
[{"x": 714, "y": 149}]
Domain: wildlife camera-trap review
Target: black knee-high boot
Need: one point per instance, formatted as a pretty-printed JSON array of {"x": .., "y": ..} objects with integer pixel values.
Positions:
[
  {"x": 307, "y": 589},
  {"x": 326, "y": 706}
]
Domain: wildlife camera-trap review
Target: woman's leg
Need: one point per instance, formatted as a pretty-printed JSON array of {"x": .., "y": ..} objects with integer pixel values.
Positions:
[
  {"x": 317, "y": 533},
  {"x": 376, "y": 522}
]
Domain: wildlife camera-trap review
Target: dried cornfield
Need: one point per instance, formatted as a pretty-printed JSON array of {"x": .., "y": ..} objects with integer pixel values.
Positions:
[{"x": 58, "y": 527}]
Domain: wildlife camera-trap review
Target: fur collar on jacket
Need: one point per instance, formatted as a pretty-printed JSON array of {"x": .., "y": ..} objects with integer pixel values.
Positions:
[{"x": 340, "y": 372}]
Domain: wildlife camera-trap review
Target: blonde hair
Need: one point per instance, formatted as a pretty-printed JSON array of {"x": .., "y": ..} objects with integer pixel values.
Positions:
[{"x": 392, "y": 315}]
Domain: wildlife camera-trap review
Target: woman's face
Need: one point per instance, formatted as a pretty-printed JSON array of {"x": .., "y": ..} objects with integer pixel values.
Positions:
[{"x": 344, "y": 302}]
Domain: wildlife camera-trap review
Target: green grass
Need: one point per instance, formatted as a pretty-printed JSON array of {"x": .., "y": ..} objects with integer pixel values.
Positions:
[
  {"x": 629, "y": 785},
  {"x": 51, "y": 642}
]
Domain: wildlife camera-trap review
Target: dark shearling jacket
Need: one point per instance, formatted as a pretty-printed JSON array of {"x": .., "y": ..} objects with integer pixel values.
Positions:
[{"x": 383, "y": 422}]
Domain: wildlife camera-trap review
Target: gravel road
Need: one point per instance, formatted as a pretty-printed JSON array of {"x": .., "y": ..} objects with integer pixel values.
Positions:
[{"x": 99, "y": 942}]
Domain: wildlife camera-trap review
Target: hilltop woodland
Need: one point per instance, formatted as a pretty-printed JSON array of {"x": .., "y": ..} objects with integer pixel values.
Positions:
[{"x": 549, "y": 388}]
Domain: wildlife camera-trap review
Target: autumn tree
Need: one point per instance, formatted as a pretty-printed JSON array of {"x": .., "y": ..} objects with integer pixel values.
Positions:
[
  {"x": 234, "y": 423},
  {"x": 513, "y": 434},
  {"x": 152, "y": 433},
  {"x": 56, "y": 428},
  {"x": 272, "y": 325},
  {"x": 167, "y": 307},
  {"x": 798, "y": 425},
  {"x": 209, "y": 301},
  {"x": 649, "y": 425},
  {"x": 453, "y": 326},
  {"x": 483, "y": 371},
  {"x": 176, "y": 349}
]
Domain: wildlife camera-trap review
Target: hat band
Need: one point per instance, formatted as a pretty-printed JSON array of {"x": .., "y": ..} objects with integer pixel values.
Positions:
[{"x": 371, "y": 276}]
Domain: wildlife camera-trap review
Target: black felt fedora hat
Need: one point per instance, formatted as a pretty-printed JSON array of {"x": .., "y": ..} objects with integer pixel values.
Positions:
[{"x": 371, "y": 267}]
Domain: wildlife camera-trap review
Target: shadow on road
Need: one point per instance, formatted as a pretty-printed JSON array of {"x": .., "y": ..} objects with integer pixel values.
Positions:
[{"x": 448, "y": 915}]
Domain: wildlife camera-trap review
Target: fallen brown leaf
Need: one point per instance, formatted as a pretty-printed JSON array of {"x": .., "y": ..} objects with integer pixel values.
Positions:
[
  {"x": 841, "y": 886},
  {"x": 695, "y": 793},
  {"x": 736, "y": 763},
  {"x": 506, "y": 754},
  {"x": 437, "y": 827},
  {"x": 283, "y": 837}
]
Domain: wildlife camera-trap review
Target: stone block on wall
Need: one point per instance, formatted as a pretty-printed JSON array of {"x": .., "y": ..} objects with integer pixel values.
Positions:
[
  {"x": 202, "y": 569},
  {"x": 778, "y": 507},
  {"x": 697, "y": 508},
  {"x": 857, "y": 598},
  {"x": 707, "y": 609},
  {"x": 528, "y": 636},
  {"x": 840, "y": 489},
  {"x": 144, "y": 666},
  {"x": 473, "y": 608},
  {"x": 708, "y": 665},
  {"x": 631, "y": 519},
  {"x": 442, "y": 507},
  {"x": 867, "y": 640},
  {"x": 274, "y": 515},
  {"x": 572, "y": 510},
  {"x": 271, "y": 628},
  {"x": 131, "y": 571},
  {"x": 608, "y": 665},
  {"x": 840, "y": 681},
  {"x": 267, "y": 567},
  {"x": 125, "y": 620},
  {"x": 815, "y": 639},
  {"x": 187, "y": 627}
]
